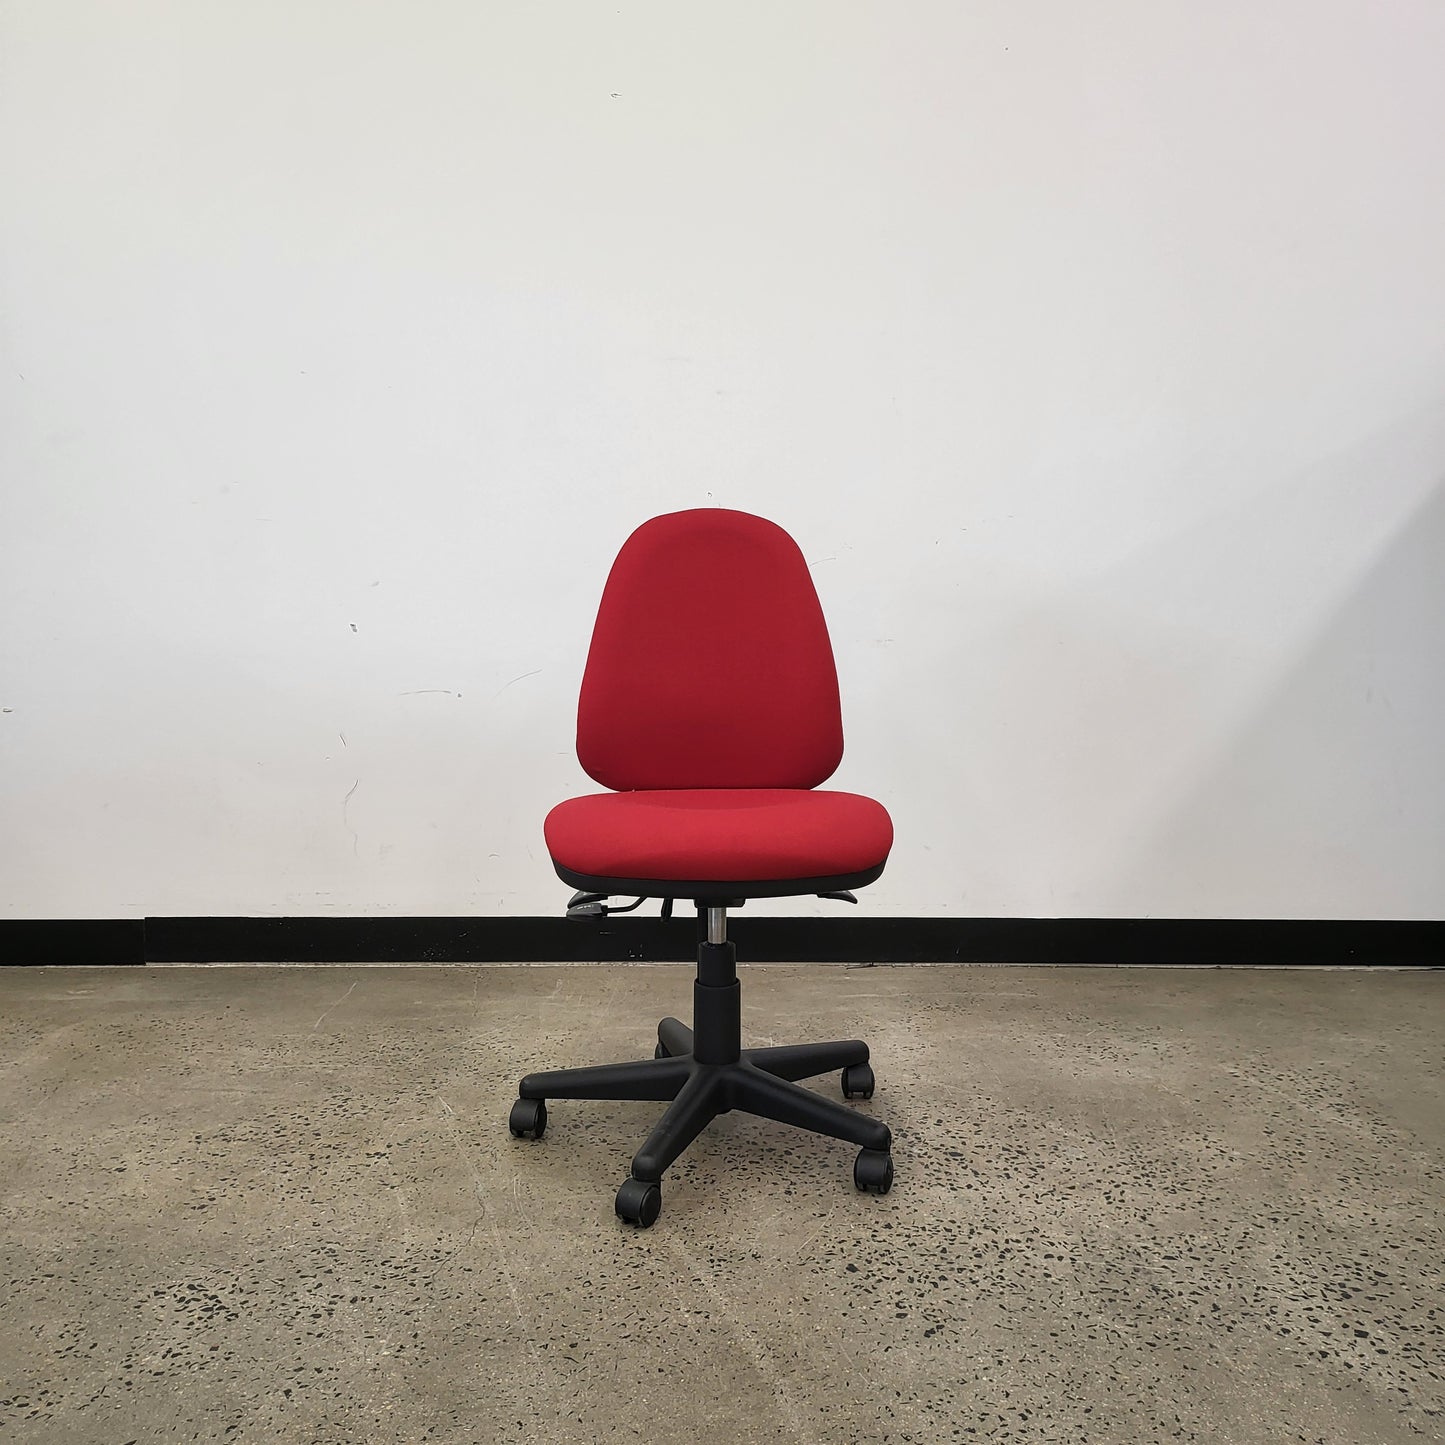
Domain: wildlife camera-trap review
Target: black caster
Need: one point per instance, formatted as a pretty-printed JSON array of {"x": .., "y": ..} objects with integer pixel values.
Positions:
[
  {"x": 858, "y": 1082},
  {"x": 529, "y": 1119},
  {"x": 873, "y": 1171},
  {"x": 639, "y": 1203}
]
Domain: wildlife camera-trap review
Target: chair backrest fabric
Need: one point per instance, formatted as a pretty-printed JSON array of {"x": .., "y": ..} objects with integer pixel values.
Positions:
[{"x": 710, "y": 664}]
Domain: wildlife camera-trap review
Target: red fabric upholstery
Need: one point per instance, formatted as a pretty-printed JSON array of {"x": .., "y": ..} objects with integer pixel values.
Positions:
[
  {"x": 710, "y": 703},
  {"x": 733, "y": 835},
  {"x": 710, "y": 664}
]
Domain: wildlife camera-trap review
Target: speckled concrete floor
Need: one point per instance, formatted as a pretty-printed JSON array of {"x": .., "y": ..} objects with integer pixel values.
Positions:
[{"x": 1132, "y": 1206}]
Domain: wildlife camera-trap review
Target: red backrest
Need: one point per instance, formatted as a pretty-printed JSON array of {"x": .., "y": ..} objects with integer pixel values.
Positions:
[{"x": 710, "y": 664}]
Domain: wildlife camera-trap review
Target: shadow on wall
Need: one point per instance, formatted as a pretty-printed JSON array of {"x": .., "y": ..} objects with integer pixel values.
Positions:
[{"x": 1339, "y": 772}]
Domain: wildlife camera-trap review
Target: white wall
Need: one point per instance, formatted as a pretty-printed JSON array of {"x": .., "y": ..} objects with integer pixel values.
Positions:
[{"x": 1094, "y": 354}]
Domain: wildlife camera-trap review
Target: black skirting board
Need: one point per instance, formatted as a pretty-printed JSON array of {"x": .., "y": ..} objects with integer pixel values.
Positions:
[{"x": 1391, "y": 943}]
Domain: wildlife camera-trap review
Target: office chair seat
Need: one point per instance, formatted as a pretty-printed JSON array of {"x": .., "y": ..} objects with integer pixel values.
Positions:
[{"x": 730, "y": 837}]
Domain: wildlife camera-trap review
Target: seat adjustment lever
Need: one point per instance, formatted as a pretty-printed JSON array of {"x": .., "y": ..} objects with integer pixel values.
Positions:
[{"x": 595, "y": 905}]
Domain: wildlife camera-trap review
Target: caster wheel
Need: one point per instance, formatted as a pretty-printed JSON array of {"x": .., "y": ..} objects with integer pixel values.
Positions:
[
  {"x": 873, "y": 1171},
  {"x": 857, "y": 1082},
  {"x": 659, "y": 1052},
  {"x": 639, "y": 1203},
  {"x": 529, "y": 1119}
]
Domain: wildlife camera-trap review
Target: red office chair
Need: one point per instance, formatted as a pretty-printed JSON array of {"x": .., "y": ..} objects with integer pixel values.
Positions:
[{"x": 710, "y": 705}]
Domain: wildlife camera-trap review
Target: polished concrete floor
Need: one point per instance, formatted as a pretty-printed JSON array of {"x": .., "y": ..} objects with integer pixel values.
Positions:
[{"x": 1131, "y": 1206}]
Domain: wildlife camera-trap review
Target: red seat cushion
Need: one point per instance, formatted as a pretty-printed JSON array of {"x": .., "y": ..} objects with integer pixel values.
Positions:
[{"x": 732, "y": 835}]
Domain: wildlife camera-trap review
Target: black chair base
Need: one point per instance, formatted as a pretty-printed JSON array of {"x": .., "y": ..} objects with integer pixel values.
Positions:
[
  {"x": 705, "y": 1072},
  {"x": 759, "y": 1081}
]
